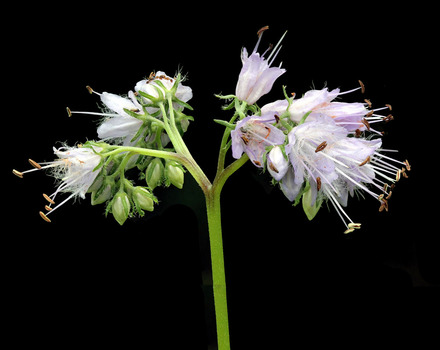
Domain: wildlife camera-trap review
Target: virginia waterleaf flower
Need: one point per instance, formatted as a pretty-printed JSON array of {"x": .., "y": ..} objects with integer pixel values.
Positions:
[
  {"x": 334, "y": 165},
  {"x": 75, "y": 170},
  {"x": 252, "y": 135},
  {"x": 257, "y": 77}
]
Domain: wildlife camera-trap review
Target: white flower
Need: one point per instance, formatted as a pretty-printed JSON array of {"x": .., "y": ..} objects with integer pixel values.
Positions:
[
  {"x": 257, "y": 76},
  {"x": 74, "y": 171},
  {"x": 277, "y": 164},
  {"x": 150, "y": 87}
]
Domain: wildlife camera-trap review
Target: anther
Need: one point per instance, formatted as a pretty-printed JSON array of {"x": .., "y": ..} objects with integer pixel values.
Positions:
[
  {"x": 408, "y": 167},
  {"x": 368, "y": 102},
  {"x": 365, "y": 161},
  {"x": 47, "y": 208},
  {"x": 46, "y": 197},
  {"x": 34, "y": 164},
  {"x": 404, "y": 174},
  {"x": 389, "y": 106},
  {"x": 274, "y": 168},
  {"x": 398, "y": 175},
  {"x": 389, "y": 195},
  {"x": 321, "y": 146},
  {"x": 262, "y": 30},
  {"x": 350, "y": 230},
  {"x": 89, "y": 89},
  {"x": 369, "y": 114},
  {"x": 362, "y": 86},
  {"x": 69, "y": 112},
  {"x": 388, "y": 118},
  {"x": 385, "y": 187},
  {"x": 17, "y": 173},
  {"x": 318, "y": 183},
  {"x": 45, "y": 218},
  {"x": 353, "y": 225},
  {"x": 366, "y": 123}
]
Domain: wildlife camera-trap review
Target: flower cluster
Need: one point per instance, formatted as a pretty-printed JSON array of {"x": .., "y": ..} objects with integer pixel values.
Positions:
[
  {"x": 135, "y": 120},
  {"x": 316, "y": 148}
]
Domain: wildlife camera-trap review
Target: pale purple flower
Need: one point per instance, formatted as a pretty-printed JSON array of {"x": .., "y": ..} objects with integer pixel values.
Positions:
[
  {"x": 252, "y": 135},
  {"x": 257, "y": 76},
  {"x": 75, "y": 171},
  {"x": 336, "y": 165}
]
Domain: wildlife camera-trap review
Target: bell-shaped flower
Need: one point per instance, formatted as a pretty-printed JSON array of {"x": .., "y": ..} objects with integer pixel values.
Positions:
[
  {"x": 252, "y": 135},
  {"x": 257, "y": 76},
  {"x": 335, "y": 165}
]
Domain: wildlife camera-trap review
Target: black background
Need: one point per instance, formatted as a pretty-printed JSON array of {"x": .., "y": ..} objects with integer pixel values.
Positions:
[{"x": 83, "y": 279}]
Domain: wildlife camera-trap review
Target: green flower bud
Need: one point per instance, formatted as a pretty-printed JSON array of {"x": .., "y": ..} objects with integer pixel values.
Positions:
[
  {"x": 174, "y": 174},
  {"x": 121, "y": 207},
  {"x": 143, "y": 199},
  {"x": 154, "y": 173},
  {"x": 102, "y": 194}
]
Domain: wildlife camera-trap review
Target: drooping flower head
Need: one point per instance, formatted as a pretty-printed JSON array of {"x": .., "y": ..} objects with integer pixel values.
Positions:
[
  {"x": 257, "y": 76},
  {"x": 75, "y": 171},
  {"x": 252, "y": 135}
]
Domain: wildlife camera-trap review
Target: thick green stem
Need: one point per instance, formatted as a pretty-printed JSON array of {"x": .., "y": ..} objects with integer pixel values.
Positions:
[{"x": 218, "y": 269}]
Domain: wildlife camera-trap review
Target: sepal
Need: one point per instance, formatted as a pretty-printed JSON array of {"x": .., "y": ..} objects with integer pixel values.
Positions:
[{"x": 310, "y": 209}]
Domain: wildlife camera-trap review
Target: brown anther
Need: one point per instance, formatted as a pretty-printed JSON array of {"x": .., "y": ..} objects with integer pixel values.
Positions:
[
  {"x": 381, "y": 208},
  {"x": 46, "y": 197},
  {"x": 34, "y": 164},
  {"x": 277, "y": 118},
  {"x": 385, "y": 187},
  {"x": 366, "y": 123},
  {"x": 273, "y": 167},
  {"x": 17, "y": 173},
  {"x": 404, "y": 174},
  {"x": 45, "y": 218},
  {"x": 47, "y": 208},
  {"x": 389, "y": 195},
  {"x": 388, "y": 118},
  {"x": 151, "y": 76},
  {"x": 135, "y": 110},
  {"x": 357, "y": 133},
  {"x": 262, "y": 30},
  {"x": 89, "y": 89},
  {"x": 245, "y": 140},
  {"x": 69, "y": 112},
  {"x": 368, "y": 102},
  {"x": 369, "y": 114},
  {"x": 256, "y": 162},
  {"x": 392, "y": 186},
  {"x": 362, "y": 86},
  {"x": 367, "y": 160},
  {"x": 380, "y": 198},
  {"x": 318, "y": 183},
  {"x": 389, "y": 106},
  {"x": 408, "y": 167},
  {"x": 321, "y": 146},
  {"x": 384, "y": 205}
]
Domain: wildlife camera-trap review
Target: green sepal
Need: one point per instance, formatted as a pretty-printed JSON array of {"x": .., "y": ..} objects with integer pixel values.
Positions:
[{"x": 309, "y": 209}]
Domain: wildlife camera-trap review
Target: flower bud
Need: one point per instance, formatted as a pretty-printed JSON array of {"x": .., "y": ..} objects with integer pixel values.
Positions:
[
  {"x": 154, "y": 173},
  {"x": 102, "y": 194},
  {"x": 277, "y": 164},
  {"x": 121, "y": 207},
  {"x": 174, "y": 174},
  {"x": 143, "y": 199}
]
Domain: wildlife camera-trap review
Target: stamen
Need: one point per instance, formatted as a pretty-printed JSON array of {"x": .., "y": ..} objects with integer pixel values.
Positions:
[
  {"x": 69, "y": 112},
  {"x": 350, "y": 230},
  {"x": 365, "y": 122},
  {"x": 362, "y": 86},
  {"x": 46, "y": 197},
  {"x": 368, "y": 102},
  {"x": 261, "y": 30},
  {"x": 388, "y": 118},
  {"x": 408, "y": 167},
  {"x": 45, "y": 218},
  {"x": 389, "y": 106},
  {"x": 89, "y": 89},
  {"x": 365, "y": 161},
  {"x": 17, "y": 173},
  {"x": 34, "y": 164},
  {"x": 321, "y": 146},
  {"x": 318, "y": 183}
]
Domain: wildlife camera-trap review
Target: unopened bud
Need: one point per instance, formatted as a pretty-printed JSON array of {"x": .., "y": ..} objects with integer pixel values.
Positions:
[
  {"x": 174, "y": 174},
  {"x": 102, "y": 195},
  {"x": 143, "y": 199},
  {"x": 154, "y": 173},
  {"x": 121, "y": 207}
]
